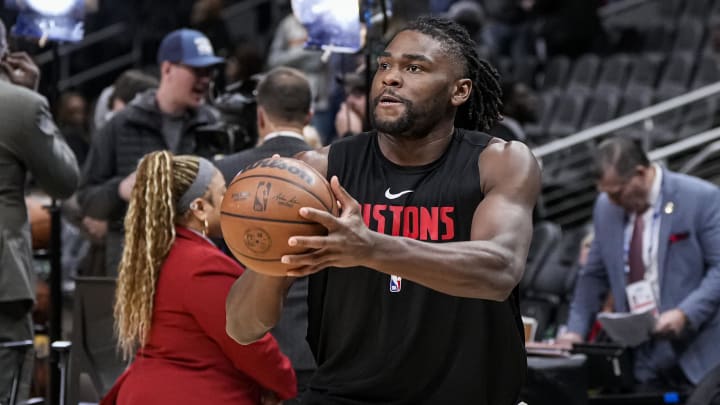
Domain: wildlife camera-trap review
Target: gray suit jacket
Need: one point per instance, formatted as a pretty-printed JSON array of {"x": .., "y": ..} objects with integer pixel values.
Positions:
[
  {"x": 29, "y": 142},
  {"x": 688, "y": 267}
]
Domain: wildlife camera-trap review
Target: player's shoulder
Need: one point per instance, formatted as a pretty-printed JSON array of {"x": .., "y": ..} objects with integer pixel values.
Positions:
[
  {"x": 473, "y": 138},
  {"x": 509, "y": 161},
  {"x": 491, "y": 147},
  {"x": 497, "y": 148},
  {"x": 317, "y": 158}
]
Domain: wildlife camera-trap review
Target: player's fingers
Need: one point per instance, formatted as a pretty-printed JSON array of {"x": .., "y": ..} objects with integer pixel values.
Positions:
[
  {"x": 315, "y": 257},
  {"x": 324, "y": 218},
  {"x": 350, "y": 206},
  {"x": 314, "y": 242}
]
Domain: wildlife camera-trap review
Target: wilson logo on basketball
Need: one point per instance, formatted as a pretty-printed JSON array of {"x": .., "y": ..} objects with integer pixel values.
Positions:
[{"x": 282, "y": 165}]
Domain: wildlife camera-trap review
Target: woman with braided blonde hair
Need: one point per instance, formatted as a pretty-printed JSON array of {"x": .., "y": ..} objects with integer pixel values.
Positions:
[{"x": 170, "y": 300}]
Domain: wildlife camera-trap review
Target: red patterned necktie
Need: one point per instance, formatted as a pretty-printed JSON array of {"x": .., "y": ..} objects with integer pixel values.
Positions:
[{"x": 635, "y": 257}]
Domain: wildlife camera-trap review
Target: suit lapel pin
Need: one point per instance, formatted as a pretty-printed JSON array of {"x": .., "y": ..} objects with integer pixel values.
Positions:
[{"x": 669, "y": 207}]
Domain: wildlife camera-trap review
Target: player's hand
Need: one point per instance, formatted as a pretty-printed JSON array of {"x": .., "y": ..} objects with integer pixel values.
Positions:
[
  {"x": 671, "y": 323},
  {"x": 347, "y": 244},
  {"x": 21, "y": 70}
]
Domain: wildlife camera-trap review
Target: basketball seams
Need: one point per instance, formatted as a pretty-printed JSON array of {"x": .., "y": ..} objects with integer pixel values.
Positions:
[
  {"x": 234, "y": 251},
  {"x": 296, "y": 184},
  {"x": 284, "y": 221}
]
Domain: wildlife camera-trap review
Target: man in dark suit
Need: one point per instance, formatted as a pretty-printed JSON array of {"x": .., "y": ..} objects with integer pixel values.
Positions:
[
  {"x": 283, "y": 109},
  {"x": 30, "y": 143}
]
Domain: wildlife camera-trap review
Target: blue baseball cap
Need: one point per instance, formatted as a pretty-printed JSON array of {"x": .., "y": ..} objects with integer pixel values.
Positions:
[{"x": 189, "y": 47}]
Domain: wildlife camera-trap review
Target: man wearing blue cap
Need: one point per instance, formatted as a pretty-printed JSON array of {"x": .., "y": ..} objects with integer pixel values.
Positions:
[{"x": 171, "y": 117}]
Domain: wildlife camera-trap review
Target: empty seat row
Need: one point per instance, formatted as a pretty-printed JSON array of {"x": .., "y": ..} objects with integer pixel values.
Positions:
[{"x": 564, "y": 114}]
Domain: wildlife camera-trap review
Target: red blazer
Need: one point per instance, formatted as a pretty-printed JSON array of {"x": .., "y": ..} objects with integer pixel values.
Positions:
[{"x": 189, "y": 358}]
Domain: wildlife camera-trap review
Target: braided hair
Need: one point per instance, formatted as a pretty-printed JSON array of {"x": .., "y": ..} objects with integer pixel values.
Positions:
[
  {"x": 149, "y": 234},
  {"x": 482, "y": 110}
]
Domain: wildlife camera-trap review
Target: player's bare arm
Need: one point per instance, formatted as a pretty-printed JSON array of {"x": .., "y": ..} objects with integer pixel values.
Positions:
[{"x": 489, "y": 266}]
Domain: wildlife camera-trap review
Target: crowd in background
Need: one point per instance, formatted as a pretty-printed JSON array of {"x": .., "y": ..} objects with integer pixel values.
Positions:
[
  {"x": 107, "y": 150},
  {"x": 502, "y": 29}
]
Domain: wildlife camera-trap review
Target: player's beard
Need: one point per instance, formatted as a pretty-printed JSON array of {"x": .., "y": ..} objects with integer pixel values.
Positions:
[
  {"x": 399, "y": 126},
  {"x": 414, "y": 122}
]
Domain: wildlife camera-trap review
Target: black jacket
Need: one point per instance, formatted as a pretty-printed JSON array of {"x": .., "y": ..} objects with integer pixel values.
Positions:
[
  {"x": 116, "y": 151},
  {"x": 284, "y": 146},
  {"x": 131, "y": 134}
]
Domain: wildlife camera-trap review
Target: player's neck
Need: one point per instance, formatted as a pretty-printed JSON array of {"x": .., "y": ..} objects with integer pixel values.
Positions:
[{"x": 415, "y": 151}]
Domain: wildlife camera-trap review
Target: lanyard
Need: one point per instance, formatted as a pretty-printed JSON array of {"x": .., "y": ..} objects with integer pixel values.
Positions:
[{"x": 652, "y": 246}]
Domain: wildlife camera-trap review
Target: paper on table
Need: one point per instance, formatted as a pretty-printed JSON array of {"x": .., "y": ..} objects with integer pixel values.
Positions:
[{"x": 628, "y": 329}]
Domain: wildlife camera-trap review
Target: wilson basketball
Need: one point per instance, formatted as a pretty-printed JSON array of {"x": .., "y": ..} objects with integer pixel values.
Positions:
[{"x": 260, "y": 211}]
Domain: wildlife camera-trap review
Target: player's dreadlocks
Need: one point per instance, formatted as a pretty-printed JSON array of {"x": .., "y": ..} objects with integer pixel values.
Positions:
[{"x": 482, "y": 110}]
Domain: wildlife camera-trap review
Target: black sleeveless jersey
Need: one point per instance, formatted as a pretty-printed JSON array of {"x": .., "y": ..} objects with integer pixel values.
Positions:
[{"x": 384, "y": 340}]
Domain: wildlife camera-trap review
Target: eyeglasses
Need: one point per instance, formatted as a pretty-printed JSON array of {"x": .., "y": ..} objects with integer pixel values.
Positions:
[{"x": 198, "y": 71}]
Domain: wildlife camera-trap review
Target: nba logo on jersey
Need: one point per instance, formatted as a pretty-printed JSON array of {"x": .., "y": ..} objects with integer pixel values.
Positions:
[{"x": 395, "y": 283}]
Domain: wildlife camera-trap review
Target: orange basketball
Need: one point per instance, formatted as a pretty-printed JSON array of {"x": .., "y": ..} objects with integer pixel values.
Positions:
[{"x": 260, "y": 211}]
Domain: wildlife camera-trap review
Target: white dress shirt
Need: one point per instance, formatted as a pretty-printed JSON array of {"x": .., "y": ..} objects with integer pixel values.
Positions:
[{"x": 651, "y": 234}]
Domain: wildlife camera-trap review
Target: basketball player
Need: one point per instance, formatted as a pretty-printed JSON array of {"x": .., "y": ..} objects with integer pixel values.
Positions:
[{"x": 412, "y": 295}]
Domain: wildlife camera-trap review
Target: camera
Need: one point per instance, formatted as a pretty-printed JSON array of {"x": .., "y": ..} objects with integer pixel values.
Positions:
[{"x": 237, "y": 106}]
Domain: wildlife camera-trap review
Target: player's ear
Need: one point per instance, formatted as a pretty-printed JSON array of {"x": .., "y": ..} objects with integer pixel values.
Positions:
[{"x": 461, "y": 92}]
